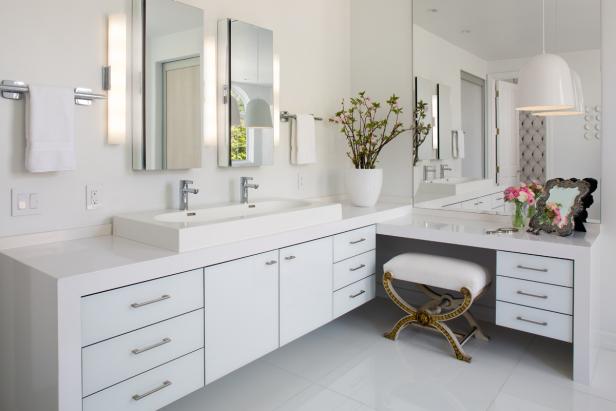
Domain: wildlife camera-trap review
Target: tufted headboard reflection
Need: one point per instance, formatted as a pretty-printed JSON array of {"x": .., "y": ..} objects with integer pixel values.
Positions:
[{"x": 532, "y": 147}]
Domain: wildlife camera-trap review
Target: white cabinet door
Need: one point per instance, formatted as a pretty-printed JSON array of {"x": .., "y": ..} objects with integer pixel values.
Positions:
[
  {"x": 241, "y": 314},
  {"x": 306, "y": 281}
]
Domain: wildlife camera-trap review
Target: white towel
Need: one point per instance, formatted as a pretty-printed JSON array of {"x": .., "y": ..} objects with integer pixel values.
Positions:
[
  {"x": 304, "y": 146},
  {"x": 50, "y": 129}
]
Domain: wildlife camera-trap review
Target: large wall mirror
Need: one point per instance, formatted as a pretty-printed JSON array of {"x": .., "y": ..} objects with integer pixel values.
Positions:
[
  {"x": 246, "y": 77},
  {"x": 467, "y": 55},
  {"x": 167, "y": 85}
]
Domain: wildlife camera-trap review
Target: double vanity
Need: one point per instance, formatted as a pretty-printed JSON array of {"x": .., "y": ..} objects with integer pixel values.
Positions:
[{"x": 112, "y": 323}]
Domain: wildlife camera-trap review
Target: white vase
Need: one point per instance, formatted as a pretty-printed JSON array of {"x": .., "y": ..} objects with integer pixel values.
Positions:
[{"x": 364, "y": 186}]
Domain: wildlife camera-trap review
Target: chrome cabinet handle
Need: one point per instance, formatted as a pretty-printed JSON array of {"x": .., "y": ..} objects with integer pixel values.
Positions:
[
  {"x": 156, "y": 300},
  {"x": 358, "y": 267},
  {"x": 164, "y": 341},
  {"x": 545, "y": 297},
  {"x": 541, "y": 270},
  {"x": 361, "y": 240},
  {"x": 271, "y": 262},
  {"x": 358, "y": 294},
  {"x": 138, "y": 397},
  {"x": 542, "y": 323},
  {"x": 289, "y": 258}
]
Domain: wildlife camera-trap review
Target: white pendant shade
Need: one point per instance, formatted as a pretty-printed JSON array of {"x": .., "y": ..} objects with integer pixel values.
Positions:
[
  {"x": 545, "y": 84},
  {"x": 235, "y": 113},
  {"x": 258, "y": 114},
  {"x": 578, "y": 91}
]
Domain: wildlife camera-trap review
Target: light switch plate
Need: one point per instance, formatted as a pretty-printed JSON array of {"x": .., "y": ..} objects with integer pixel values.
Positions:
[
  {"x": 24, "y": 202},
  {"x": 94, "y": 196}
]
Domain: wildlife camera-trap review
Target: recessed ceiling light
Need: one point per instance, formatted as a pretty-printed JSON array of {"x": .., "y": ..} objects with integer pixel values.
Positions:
[
  {"x": 433, "y": 10},
  {"x": 465, "y": 31}
]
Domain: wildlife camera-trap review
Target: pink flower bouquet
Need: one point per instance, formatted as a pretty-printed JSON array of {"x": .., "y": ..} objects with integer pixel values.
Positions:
[{"x": 522, "y": 196}]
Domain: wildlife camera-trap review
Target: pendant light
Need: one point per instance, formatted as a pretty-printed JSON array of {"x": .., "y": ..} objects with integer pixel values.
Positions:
[
  {"x": 258, "y": 114},
  {"x": 545, "y": 82},
  {"x": 579, "y": 108}
]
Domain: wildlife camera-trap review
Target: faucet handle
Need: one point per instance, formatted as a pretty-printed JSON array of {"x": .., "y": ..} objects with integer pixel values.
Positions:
[{"x": 186, "y": 182}]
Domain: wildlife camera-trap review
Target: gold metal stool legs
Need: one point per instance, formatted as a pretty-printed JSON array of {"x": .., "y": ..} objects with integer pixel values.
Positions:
[{"x": 430, "y": 316}]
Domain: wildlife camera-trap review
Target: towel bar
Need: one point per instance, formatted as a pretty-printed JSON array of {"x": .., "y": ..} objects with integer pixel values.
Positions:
[
  {"x": 285, "y": 116},
  {"x": 14, "y": 90}
]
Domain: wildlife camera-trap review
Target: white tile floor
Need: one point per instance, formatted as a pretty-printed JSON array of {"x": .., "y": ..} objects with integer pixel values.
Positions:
[{"x": 348, "y": 366}]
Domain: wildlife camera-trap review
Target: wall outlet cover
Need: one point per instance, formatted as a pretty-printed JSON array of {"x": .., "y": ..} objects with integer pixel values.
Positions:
[{"x": 94, "y": 196}]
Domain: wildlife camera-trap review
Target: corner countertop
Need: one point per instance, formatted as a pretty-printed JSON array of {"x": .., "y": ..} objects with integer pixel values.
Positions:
[
  {"x": 464, "y": 229},
  {"x": 108, "y": 261}
]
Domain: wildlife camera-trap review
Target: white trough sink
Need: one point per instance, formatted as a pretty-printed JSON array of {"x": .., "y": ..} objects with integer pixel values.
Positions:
[{"x": 210, "y": 226}]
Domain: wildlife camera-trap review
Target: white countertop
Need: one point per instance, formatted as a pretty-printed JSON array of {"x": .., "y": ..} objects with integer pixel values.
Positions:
[
  {"x": 67, "y": 260},
  {"x": 463, "y": 230}
]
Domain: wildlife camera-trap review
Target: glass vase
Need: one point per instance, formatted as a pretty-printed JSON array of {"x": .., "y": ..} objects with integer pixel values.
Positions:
[{"x": 518, "y": 216}]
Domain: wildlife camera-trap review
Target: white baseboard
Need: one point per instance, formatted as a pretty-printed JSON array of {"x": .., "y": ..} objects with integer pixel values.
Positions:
[{"x": 25, "y": 240}]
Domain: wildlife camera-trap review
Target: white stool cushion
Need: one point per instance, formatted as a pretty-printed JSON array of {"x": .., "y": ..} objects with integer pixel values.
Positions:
[{"x": 436, "y": 271}]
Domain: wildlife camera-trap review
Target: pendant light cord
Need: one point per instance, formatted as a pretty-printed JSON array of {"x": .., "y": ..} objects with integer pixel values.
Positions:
[{"x": 543, "y": 24}]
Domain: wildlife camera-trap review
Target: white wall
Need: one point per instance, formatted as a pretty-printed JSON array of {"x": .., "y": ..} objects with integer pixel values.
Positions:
[
  {"x": 608, "y": 150},
  {"x": 568, "y": 154},
  {"x": 382, "y": 64},
  {"x": 64, "y": 43}
]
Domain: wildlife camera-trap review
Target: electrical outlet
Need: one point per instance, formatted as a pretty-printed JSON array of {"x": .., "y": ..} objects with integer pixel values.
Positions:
[
  {"x": 300, "y": 182},
  {"x": 94, "y": 196},
  {"x": 24, "y": 202}
]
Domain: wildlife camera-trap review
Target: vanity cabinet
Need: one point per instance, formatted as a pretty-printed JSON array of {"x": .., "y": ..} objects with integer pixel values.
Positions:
[
  {"x": 241, "y": 318},
  {"x": 535, "y": 294},
  {"x": 306, "y": 276}
]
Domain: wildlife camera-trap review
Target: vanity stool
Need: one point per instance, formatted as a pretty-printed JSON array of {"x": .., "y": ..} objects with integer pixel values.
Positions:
[{"x": 427, "y": 271}]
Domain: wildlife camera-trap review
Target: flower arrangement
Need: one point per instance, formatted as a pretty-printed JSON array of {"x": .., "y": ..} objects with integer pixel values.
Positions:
[
  {"x": 522, "y": 196},
  {"x": 366, "y": 133},
  {"x": 553, "y": 215}
]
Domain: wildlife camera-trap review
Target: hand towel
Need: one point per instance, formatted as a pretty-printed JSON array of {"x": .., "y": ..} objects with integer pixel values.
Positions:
[
  {"x": 460, "y": 143},
  {"x": 304, "y": 147},
  {"x": 50, "y": 129}
]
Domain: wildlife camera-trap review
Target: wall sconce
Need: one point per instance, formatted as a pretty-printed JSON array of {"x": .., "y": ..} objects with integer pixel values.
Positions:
[
  {"x": 435, "y": 130},
  {"x": 114, "y": 79}
]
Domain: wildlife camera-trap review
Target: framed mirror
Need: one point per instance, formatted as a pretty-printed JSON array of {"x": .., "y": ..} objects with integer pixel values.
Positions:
[
  {"x": 246, "y": 82},
  {"x": 167, "y": 85},
  {"x": 473, "y": 51},
  {"x": 560, "y": 202}
]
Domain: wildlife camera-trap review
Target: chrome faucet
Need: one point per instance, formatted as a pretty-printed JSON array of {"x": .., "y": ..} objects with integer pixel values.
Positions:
[
  {"x": 244, "y": 186},
  {"x": 445, "y": 167},
  {"x": 427, "y": 170},
  {"x": 184, "y": 191}
]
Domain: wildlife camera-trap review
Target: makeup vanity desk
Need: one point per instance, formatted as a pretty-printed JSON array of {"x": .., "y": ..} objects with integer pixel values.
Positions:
[{"x": 545, "y": 284}]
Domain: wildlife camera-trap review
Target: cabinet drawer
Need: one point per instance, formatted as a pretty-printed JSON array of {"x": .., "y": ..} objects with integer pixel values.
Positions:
[
  {"x": 152, "y": 390},
  {"x": 116, "y": 312},
  {"x": 535, "y": 268},
  {"x": 354, "y": 295},
  {"x": 354, "y": 242},
  {"x": 535, "y": 321},
  {"x": 119, "y": 358},
  {"x": 354, "y": 269},
  {"x": 533, "y": 294}
]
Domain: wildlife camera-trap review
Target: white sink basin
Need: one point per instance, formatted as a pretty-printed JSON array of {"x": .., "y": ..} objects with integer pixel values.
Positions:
[
  {"x": 209, "y": 226},
  {"x": 445, "y": 187}
]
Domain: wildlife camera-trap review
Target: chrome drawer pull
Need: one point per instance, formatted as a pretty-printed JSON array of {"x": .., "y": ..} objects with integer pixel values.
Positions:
[
  {"x": 358, "y": 267},
  {"x": 545, "y": 297},
  {"x": 138, "y": 397},
  {"x": 542, "y": 323},
  {"x": 541, "y": 270},
  {"x": 358, "y": 294},
  {"x": 289, "y": 258},
  {"x": 361, "y": 240},
  {"x": 156, "y": 300},
  {"x": 164, "y": 341},
  {"x": 271, "y": 262}
]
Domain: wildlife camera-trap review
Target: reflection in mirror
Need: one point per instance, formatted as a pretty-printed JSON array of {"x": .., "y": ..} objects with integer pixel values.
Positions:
[
  {"x": 426, "y": 91},
  {"x": 246, "y": 138},
  {"x": 472, "y": 52},
  {"x": 167, "y": 109},
  {"x": 557, "y": 206}
]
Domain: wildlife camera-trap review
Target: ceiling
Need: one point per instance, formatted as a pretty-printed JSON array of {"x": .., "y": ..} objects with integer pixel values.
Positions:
[
  {"x": 169, "y": 16},
  {"x": 504, "y": 29}
]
